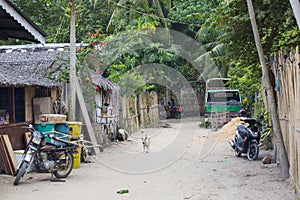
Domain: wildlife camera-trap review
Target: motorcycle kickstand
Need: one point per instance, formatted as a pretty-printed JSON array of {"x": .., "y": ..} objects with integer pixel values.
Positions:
[{"x": 55, "y": 179}]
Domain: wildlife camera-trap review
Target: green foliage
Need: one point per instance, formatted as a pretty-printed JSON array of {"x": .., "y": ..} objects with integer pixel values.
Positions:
[
  {"x": 277, "y": 28},
  {"x": 141, "y": 14},
  {"x": 57, "y": 70},
  {"x": 222, "y": 27},
  {"x": 53, "y": 17},
  {"x": 246, "y": 79},
  {"x": 189, "y": 15},
  {"x": 266, "y": 138}
]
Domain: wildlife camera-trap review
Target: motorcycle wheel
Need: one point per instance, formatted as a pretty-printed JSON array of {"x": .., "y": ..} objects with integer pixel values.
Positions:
[
  {"x": 252, "y": 152},
  {"x": 237, "y": 153},
  {"x": 64, "y": 166},
  {"x": 21, "y": 172}
]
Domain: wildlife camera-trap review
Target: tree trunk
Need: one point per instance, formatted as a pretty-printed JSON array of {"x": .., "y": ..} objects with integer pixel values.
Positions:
[
  {"x": 72, "y": 90},
  {"x": 283, "y": 160},
  {"x": 296, "y": 9}
]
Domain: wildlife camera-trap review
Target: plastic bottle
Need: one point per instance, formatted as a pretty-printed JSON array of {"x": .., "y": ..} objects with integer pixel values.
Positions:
[{"x": 122, "y": 191}]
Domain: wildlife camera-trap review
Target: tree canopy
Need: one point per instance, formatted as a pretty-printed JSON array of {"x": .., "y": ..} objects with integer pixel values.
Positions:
[{"x": 221, "y": 27}]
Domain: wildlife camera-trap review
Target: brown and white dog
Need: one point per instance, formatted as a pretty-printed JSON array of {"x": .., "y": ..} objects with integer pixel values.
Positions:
[{"x": 146, "y": 144}]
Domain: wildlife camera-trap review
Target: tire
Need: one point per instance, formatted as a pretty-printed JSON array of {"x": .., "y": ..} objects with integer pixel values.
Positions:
[
  {"x": 253, "y": 151},
  {"x": 64, "y": 165},
  {"x": 237, "y": 153},
  {"x": 214, "y": 124},
  {"x": 21, "y": 172}
]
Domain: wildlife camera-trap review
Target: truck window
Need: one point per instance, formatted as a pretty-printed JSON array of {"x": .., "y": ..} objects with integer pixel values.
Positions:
[{"x": 223, "y": 96}]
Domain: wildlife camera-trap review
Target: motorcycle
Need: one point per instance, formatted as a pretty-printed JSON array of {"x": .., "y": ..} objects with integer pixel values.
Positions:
[
  {"x": 246, "y": 139},
  {"x": 55, "y": 156}
]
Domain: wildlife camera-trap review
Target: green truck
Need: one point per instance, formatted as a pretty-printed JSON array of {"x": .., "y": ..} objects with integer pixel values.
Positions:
[{"x": 221, "y": 102}]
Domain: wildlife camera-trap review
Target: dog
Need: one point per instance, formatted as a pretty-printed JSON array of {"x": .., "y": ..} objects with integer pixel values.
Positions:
[{"x": 146, "y": 144}]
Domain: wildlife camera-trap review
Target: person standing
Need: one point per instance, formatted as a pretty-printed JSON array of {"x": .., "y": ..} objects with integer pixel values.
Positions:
[
  {"x": 179, "y": 111},
  {"x": 173, "y": 108},
  {"x": 168, "y": 110}
]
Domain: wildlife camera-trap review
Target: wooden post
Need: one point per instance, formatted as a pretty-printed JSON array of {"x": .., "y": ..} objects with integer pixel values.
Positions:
[
  {"x": 73, "y": 77},
  {"x": 86, "y": 117}
]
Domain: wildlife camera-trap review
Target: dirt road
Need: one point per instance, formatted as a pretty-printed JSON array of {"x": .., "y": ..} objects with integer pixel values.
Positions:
[{"x": 184, "y": 162}]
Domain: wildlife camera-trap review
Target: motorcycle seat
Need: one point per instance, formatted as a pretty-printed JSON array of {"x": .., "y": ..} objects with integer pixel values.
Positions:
[
  {"x": 61, "y": 143},
  {"x": 58, "y": 144},
  {"x": 242, "y": 130}
]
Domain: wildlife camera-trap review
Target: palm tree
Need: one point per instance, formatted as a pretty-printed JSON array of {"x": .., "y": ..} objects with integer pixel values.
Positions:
[{"x": 283, "y": 160}]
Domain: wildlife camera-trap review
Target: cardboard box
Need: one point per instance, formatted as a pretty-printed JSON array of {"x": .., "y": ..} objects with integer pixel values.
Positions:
[{"x": 53, "y": 118}]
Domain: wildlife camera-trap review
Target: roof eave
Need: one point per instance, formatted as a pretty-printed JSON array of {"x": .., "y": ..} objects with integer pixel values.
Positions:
[{"x": 37, "y": 33}]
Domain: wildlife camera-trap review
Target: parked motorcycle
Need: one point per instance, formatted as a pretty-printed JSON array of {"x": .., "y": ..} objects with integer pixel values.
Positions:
[
  {"x": 247, "y": 139},
  {"x": 55, "y": 156}
]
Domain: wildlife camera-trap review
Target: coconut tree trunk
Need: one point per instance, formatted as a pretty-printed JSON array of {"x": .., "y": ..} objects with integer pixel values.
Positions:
[
  {"x": 296, "y": 9},
  {"x": 283, "y": 160},
  {"x": 72, "y": 90}
]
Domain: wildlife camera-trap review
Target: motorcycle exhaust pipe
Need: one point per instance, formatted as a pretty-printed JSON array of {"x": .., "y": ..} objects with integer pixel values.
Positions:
[{"x": 232, "y": 144}]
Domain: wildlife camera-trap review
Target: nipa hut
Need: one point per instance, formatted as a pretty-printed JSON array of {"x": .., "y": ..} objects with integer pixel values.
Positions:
[
  {"x": 107, "y": 99},
  {"x": 25, "y": 91}
]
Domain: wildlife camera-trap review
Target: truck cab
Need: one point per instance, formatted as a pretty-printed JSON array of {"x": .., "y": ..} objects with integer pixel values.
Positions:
[{"x": 221, "y": 102}]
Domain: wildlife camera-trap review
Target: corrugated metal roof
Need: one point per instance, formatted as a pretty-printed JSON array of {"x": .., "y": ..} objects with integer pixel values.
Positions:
[{"x": 13, "y": 24}]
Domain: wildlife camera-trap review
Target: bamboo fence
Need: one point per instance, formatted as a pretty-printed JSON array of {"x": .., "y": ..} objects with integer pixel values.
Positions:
[
  {"x": 148, "y": 110},
  {"x": 286, "y": 69}
]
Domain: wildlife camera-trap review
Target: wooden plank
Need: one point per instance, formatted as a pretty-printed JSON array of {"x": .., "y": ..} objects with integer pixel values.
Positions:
[
  {"x": 11, "y": 155},
  {"x": 7, "y": 147},
  {"x": 5, "y": 157},
  {"x": 1, "y": 166},
  {"x": 86, "y": 117},
  {"x": 2, "y": 157}
]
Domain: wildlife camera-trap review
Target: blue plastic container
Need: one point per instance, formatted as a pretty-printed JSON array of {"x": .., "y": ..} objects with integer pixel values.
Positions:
[
  {"x": 64, "y": 129},
  {"x": 45, "y": 128}
]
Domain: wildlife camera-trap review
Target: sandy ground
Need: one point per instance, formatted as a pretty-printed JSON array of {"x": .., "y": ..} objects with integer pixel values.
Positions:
[{"x": 184, "y": 162}]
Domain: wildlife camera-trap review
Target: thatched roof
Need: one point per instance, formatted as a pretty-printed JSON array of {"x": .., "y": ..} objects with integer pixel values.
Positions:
[
  {"x": 26, "y": 66},
  {"x": 103, "y": 83}
]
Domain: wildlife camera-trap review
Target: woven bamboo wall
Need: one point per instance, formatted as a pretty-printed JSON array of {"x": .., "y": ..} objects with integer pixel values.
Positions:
[
  {"x": 129, "y": 119},
  {"x": 286, "y": 69},
  {"x": 148, "y": 109},
  {"x": 139, "y": 111}
]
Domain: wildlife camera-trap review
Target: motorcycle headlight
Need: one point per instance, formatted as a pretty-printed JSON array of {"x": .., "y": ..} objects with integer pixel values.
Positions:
[
  {"x": 36, "y": 137},
  {"x": 254, "y": 134},
  {"x": 36, "y": 141}
]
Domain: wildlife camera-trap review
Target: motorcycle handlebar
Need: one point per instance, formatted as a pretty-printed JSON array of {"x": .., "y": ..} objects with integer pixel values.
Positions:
[
  {"x": 251, "y": 121},
  {"x": 28, "y": 126}
]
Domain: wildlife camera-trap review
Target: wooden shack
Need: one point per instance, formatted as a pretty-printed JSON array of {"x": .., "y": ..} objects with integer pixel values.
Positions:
[
  {"x": 107, "y": 100},
  {"x": 25, "y": 91},
  {"x": 115, "y": 111},
  {"x": 15, "y": 94}
]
